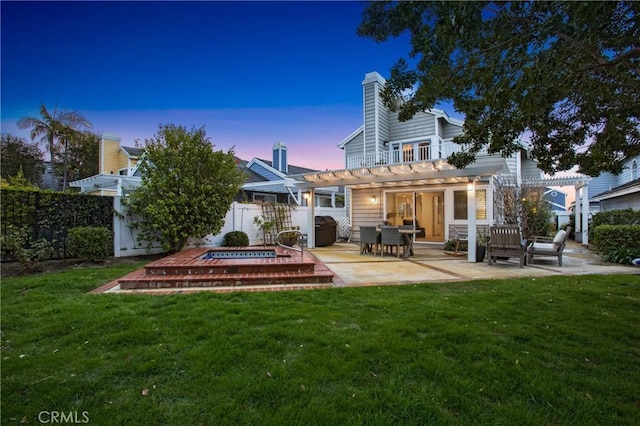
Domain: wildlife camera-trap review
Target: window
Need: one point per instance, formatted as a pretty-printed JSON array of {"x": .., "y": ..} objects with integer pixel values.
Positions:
[
  {"x": 270, "y": 198},
  {"x": 460, "y": 204},
  {"x": 634, "y": 170}
]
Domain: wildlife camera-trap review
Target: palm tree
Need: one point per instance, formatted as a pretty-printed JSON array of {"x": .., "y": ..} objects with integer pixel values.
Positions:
[{"x": 53, "y": 129}]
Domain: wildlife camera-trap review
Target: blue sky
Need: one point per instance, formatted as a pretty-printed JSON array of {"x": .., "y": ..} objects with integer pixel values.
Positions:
[{"x": 252, "y": 73}]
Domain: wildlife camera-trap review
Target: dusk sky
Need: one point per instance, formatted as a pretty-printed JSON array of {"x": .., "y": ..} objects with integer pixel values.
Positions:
[{"x": 252, "y": 73}]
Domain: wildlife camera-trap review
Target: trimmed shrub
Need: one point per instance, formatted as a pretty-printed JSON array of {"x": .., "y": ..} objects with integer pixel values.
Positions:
[
  {"x": 617, "y": 243},
  {"x": 91, "y": 243},
  {"x": 617, "y": 217},
  {"x": 16, "y": 245},
  {"x": 235, "y": 239}
]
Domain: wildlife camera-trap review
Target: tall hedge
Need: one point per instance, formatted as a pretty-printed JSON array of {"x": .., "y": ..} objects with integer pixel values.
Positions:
[
  {"x": 48, "y": 215},
  {"x": 617, "y": 243}
]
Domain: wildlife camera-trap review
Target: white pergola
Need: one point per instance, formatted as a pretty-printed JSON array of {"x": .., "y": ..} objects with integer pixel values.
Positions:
[
  {"x": 437, "y": 172},
  {"x": 116, "y": 183}
]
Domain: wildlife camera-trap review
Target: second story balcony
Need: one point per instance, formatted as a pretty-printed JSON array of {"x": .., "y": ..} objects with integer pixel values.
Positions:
[{"x": 404, "y": 153}]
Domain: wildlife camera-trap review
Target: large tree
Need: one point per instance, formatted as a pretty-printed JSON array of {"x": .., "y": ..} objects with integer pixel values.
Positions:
[
  {"x": 187, "y": 187},
  {"x": 564, "y": 74},
  {"x": 79, "y": 159},
  {"x": 55, "y": 130},
  {"x": 19, "y": 156}
]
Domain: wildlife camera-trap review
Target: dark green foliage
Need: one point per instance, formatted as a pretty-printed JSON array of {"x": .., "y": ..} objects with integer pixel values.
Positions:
[
  {"x": 563, "y": 72},
  {"x": 48, "y": 214},
  {"x": 617, "y": 217},
  {"x": 58, "y": 131},
  {"x": 92, "y": 243},
  {"x": 617, "y": 243},
  {"x": 187, "y": 187},
  {"x": 20, "y": 156},
  {"x": 80, "y": 157},
  {"x": 235, "y": 239},
  {"x": 16, "y": 244},
  {"x": 536, "y": 215}
]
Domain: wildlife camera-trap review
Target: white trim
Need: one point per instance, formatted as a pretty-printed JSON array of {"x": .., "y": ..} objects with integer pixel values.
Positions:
[{"x": 349, "y": 138}]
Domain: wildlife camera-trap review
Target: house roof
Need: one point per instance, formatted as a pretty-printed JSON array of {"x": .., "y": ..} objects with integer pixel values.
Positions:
[
  {"x": 619, "y": 191},
  {"x": 131, "y": 152},
  {"x": 292, "y": 170}
]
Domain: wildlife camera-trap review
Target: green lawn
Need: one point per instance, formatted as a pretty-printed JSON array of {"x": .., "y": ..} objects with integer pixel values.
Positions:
[{"x": 528, "y": 351}]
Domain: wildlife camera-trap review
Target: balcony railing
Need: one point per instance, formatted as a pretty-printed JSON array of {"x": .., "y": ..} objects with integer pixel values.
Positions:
[{"x": 417, "y": 153}]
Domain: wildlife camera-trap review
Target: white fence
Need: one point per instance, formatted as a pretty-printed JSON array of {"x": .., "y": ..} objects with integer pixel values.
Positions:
[{"x": 239, "y": 218}]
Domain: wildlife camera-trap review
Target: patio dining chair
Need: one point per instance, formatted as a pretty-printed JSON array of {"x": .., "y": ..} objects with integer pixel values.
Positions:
[
  {"x": 391, "y": 237},
  {"x": 369, "y": 239}
]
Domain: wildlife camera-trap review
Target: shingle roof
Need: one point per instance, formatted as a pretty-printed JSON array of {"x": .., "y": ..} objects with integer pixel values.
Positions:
[
  {"x": 293, "y": 170},
  {"x": 132, "y": 152}
]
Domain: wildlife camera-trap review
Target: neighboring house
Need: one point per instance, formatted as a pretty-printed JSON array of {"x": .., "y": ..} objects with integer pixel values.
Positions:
[
  {"x": 398, "y": 172},
  {"x": 556, "y": 198},
  {"x": 117, "y": 169},
  {"x": 270, "y": 181},
  {"x": 611, "y": 192}
]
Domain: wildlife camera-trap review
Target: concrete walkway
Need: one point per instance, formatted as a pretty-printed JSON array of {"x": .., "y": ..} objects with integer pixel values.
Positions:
[{"x": 431, "y": 264}]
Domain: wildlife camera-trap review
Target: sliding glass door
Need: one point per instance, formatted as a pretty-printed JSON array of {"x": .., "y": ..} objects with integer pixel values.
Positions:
[{"x": 424, "y": 210}]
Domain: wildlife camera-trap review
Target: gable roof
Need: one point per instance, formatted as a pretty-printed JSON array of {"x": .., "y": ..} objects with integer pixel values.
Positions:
[{"x": 131, "y": 152}]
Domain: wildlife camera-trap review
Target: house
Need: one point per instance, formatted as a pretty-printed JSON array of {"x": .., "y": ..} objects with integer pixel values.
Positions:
[
  {"x": 264, "y": 180},
  {"x": 613, "y": 192},
  {"x": 398, "y": 172},
  {"x": 117, "y": 169},
  {"x": 556, "y": 198},
  {"x": 271, "y": 181}
]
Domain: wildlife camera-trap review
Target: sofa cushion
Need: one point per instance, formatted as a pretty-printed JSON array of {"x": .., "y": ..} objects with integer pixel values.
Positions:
[
  {"x": 559, "y": 238},
  {"x": 544, "y": 248}
]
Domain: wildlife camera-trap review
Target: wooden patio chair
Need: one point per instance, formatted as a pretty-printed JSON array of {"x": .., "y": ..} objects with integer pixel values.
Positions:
[
  {"x": 506, "y": 241},
  {"x": 545, "y": 246}
]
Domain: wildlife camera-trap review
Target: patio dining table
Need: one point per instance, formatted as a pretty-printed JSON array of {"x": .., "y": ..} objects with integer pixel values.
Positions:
[{"x": 408, "y": 239}]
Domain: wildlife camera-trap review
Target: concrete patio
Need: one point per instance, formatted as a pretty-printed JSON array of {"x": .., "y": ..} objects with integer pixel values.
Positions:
[
  {"x": 428, "y": 264},
  {"x": 431, "y": 264}
]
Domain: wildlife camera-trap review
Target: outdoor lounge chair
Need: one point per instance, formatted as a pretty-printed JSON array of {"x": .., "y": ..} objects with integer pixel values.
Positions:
[
  {"x": 545, "y": 246},
  {"x": 505, "y": 241},
  {"x": 391, "y": 237},
  {"x": 369, "y": 239}
]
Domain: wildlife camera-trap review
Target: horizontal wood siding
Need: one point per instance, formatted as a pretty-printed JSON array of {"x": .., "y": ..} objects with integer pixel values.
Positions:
[
  {"x": 369, "y": 118},
  {"x": 111, "y": 154},
  {"x": 530, "y": 170},
  {"x": 619, "y": 203},
  {"x": 422, "y": 124},
  {"x": 363, "y": 212},
  {"x": 602, "y": 183},
  {"x": 355, "y": 146},
  {"x": 449, "y": 130},
  {"x": 267, "y": 174}
]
